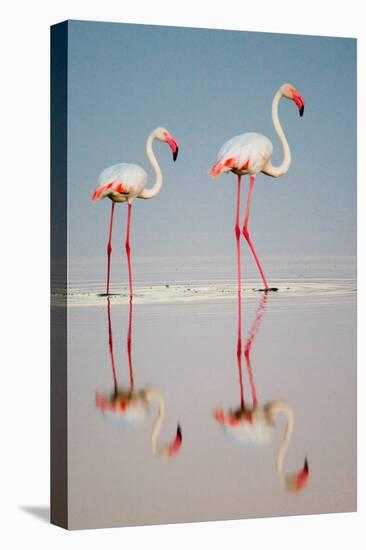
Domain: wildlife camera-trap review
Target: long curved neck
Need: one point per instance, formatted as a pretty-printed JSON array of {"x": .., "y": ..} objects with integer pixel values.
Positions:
[
  {"x": 152, "y": 394},
  {"x": 276, "y": 171},
  {"x": 154, "y": 190},
  {"x": 282, "y": 407}
]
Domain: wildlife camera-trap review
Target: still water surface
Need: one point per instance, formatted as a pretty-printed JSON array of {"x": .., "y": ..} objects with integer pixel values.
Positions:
[{"x": 302, "y": 351}]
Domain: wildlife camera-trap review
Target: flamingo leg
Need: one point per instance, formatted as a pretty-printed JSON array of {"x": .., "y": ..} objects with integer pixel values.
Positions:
[
  {"x": 246, "y": 232},
  {"x": 239, "y": 343},
  {"x": 128, "y": 248},
  {"x": 109, "y": 248}
]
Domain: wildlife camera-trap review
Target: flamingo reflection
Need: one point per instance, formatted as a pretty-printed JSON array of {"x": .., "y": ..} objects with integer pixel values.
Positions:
[
  {"x": 129, "y": 407},
  {"x": 255, "y": 424}
]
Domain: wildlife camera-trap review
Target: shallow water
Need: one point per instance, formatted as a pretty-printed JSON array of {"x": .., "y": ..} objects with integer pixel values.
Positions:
[
  {"x": 303, "y": 352},
  {"x": 182, "y": 280}
]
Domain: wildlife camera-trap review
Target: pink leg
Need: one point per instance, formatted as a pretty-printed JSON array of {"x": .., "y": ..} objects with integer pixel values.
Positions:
[
  {"x": 128, "y": 248},
  {"x": 239, "y": 344},
  {"x": 109, "y": 248},
  {"x": 110, "y": 339},
  {"x": 246, "y": 232}
]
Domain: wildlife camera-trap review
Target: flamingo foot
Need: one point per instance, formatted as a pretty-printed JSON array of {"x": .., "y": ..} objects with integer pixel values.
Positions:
[{"x": 269, "y": 289}]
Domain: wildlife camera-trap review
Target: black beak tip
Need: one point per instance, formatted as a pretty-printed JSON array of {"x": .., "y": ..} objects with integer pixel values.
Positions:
[
  {"x": 301, "y": 110},
  {"x": 179, "y": 432},
  {"x": 306, "y": 465},
  {"x": 175, "y": 154}
]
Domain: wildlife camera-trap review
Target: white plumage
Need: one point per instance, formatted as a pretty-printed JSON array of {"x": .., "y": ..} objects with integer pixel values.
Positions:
[
  {"x": 250, "y": 153},
  {"x": 121, "y": 182}
]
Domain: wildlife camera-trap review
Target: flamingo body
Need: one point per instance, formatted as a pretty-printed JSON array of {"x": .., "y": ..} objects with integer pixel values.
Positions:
[
  {"x": 247, "y": 153},
  {"x": 121, "y": 182}
]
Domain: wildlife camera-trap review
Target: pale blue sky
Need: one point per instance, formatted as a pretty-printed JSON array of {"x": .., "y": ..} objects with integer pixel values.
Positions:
[{"x": 206, "y": 86}]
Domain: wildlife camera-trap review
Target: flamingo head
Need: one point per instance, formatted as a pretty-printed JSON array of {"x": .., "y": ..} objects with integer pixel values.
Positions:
[
  {"x": 296, "y": 482},
  {"x": 163, "y": 135},
  {"x": 290, "y": 92}
]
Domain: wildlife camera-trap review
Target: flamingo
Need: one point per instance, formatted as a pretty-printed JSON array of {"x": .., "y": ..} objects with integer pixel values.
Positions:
[
  {"x": 251, "y": 153},
  {"x": 129, "y": 407},
  {"x": 255, "y": 425},
  {"x": 125, "y": 182}
]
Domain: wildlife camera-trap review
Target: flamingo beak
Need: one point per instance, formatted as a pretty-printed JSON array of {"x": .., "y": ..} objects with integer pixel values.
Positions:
[
  {"x": 172, "y": 144},
  {"x": 299, "y": 100}
]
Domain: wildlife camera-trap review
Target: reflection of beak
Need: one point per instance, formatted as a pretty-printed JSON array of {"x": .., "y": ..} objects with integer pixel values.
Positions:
[
  {"x": 173, "y": 145},
  {"x": 295, "y": 483},
  {"x": 177, "y": 443}
]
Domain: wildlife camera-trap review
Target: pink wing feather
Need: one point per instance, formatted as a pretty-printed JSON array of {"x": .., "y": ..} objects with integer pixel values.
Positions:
[{"x": 105, "y": 190}]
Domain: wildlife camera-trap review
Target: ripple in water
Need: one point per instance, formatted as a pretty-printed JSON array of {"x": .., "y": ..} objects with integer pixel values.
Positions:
[{"x": 94, "y": 295}]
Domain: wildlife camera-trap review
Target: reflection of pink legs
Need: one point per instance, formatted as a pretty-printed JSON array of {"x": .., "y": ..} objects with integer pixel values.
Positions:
[
  {"x": 240, "y": 370},
  {"x": 239, "y": 344},
  {"x": 251, "y": 379},
  {"x": 129, "y": 332},
  {"x": 128, "y": 248},
  {"x": 248, "y": 345},
  {"x": 109, "y": 248},
  {"x": 129, "y": 345},
  {"x": 110, "y": 339},
  {"x": 246, "y": 232}
]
